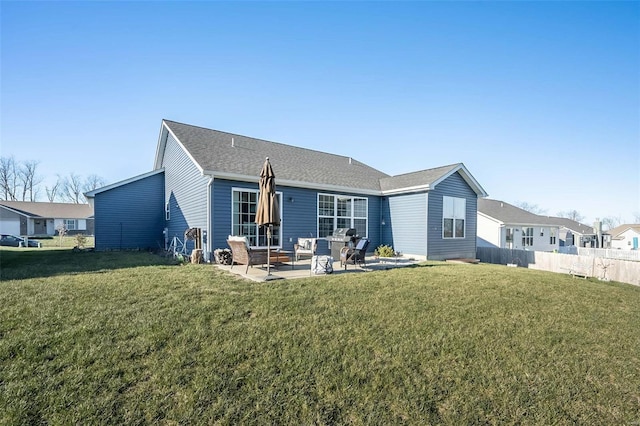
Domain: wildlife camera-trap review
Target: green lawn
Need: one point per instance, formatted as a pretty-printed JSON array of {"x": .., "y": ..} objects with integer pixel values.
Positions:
[
  {"x": 65, "y": 242},
  {"x": 129, "y": 338}
]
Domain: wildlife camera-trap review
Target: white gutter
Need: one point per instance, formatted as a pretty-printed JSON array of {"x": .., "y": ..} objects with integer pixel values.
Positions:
[
  {"x": 407, "y": 190},
  {"x": 292, "y": 183}
]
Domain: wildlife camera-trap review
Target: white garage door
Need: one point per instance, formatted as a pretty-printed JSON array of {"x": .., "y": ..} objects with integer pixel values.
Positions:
[{"x": 10, "y": 226}]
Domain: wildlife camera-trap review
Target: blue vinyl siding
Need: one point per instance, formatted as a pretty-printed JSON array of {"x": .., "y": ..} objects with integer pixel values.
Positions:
[
  {"x": 131, "y": 216},
  {"x": 185, "y": 191},
  {"x": 451, "y": 248},
  {"x": 404, "y": 227},
  {"x": 299, "y": 213}
]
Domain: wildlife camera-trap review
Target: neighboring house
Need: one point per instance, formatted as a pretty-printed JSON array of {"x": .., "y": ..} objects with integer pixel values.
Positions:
[
  {"x": 41, "y": 219},
  {"x": 572, "y": 233},
  {"x": 503, "y": 225},
  {"x": 625, "y": 237},
  {"x": 208, "y": 179}
]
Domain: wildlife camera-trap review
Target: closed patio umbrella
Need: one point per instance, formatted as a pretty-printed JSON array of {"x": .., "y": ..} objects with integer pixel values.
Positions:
[{"x": 268, "y": 213}]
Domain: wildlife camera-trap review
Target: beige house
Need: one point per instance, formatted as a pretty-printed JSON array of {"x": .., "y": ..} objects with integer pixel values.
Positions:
[{"x": 42, "y": 219}]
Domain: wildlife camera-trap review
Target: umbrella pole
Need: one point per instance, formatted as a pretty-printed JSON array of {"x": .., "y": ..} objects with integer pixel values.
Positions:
[
  {"x": 269, "y": 277},
  {"x": 268, "y": 250}
]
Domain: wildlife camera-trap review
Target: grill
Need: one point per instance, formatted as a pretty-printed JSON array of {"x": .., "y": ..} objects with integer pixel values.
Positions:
[{"x": 341, "y": 237}]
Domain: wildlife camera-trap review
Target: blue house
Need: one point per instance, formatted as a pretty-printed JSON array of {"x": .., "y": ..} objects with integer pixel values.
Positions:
[{"x": 208, "y": 179}]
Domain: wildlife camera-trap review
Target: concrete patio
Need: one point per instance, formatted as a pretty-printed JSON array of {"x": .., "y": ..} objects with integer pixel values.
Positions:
[{"x": 302, "y": 268}]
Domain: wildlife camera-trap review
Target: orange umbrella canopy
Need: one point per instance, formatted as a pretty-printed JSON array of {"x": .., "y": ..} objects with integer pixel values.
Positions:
[{"x": 268, "y": 209}]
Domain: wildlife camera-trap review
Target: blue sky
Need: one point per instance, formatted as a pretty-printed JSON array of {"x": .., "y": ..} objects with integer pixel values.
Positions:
[{"x": 540, "y": 100}]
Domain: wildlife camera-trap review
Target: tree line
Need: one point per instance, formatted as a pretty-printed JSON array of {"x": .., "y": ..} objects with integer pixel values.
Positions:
[
  {"x": 20, "y": 181},
  {"x": 608, "y": 222}
]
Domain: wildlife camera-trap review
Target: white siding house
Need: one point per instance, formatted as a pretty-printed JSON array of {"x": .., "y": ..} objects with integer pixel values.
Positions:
[
  {"x": 503, "y": 225},
  {"x": 625, "y": 237}
]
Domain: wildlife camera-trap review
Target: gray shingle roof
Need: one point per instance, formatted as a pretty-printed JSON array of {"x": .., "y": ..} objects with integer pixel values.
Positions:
[
  {"x": 214, "y": 152},
  {"x": 572, "y": 225},
  {"x": 50, "y": 210},
  {"x": 422, "y": 177},
  {"x": 507, "y": 213},
  {"x": 221, "y": 152}
]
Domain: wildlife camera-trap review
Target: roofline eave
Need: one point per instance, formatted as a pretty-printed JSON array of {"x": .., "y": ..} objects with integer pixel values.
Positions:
[
  {"x": 91, "y": 194},
  {"x": 496, "y": 220},
  {"x": 406, "y": 190},
  {"x": 21, "y": 213},
  {"x": 291, "y": 183}
]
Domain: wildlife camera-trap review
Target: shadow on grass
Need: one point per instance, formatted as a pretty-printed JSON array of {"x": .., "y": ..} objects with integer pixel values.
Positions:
[
  {"x": 429, "y": 265},
  {"x": 18, "y": 264}
]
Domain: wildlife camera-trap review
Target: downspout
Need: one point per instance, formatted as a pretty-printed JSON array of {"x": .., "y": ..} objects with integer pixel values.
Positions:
[
  {"x": 380, "y": 220},
  {"x": 426, "y": 243},
  {"x": 209, "y": 251}
]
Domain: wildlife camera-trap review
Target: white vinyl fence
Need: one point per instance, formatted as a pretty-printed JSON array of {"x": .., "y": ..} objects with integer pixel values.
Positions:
[
  {"x": 633, "y": 255},
  {"x": 625, "y": 271}
]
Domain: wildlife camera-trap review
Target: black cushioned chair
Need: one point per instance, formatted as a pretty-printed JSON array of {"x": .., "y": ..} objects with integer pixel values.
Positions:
[{"x": 354, "y": 255}]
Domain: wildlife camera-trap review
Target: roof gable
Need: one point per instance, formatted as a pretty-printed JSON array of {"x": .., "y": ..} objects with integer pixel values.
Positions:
[
  {"x": 623, "y": 228},
  {"x": 49, "y": 210},
  {"x": 428, "y": 179}
]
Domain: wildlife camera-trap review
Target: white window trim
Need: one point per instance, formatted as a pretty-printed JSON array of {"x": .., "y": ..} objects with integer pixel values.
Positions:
[
  {"x": 455, "y": 217},
  {"x": 335, "y": 211},
  {"x": 528, "y": 239},
  {"x": 257, "y": 191}
]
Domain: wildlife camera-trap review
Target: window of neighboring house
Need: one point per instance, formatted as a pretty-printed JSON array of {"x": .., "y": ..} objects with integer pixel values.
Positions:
[
  {"x": 527, "y": 237},
  {"x": 167, "y": 212},
  {"x": 552, "y": 237},
  {"x": 243, "y": 223},
  {"x": 342, "y": 211},
  {"x": 70, "y": 224},
  {"x": 454, "y": 212},
  {"x": 509, "y": 237}
]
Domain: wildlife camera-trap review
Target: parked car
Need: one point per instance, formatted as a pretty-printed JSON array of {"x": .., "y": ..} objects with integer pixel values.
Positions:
[{"x": 13, "y": 241}]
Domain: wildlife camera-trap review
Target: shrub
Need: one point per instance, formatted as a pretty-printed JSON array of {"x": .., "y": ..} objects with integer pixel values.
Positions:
[
  {"x": 81, "y": 240},
  {"x": 384, "y": 251}
]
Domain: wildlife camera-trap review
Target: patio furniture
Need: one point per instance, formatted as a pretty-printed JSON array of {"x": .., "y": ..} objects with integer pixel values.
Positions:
[
  {"x": 242, "y": 254},
  {"x": 354, "y": 255},
  {"x": 280, "y": 257},
  {"x": 305, "y": 247}
]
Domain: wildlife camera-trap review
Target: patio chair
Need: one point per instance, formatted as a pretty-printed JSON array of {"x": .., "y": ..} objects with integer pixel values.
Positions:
[
  {"x": 354, "y": 255},
  {"x": 305, "y": 247},
  {"x": 242, "y": 254}
]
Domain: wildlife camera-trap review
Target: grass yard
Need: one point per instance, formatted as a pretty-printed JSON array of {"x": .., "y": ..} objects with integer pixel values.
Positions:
[
  {"x": 66, "y": 241},
  {"x": 129, "y": 338}
]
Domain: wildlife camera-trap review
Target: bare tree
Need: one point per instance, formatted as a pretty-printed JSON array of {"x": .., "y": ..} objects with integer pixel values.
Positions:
[
  {"x": 72, "y": 189},
  {"x": 531, "y": 208},
  {"x": 54, "y": 192},
  {"x": 93, "y": 182},
  {"x": 8, "y": 178},
  {"x": 29, "y": 180},
  {"x": 636, "y": 217},
  {"x": 62, "y": 231},
  {"x": 611, "y": 222},
  {"x": 571, "y": 214}
]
